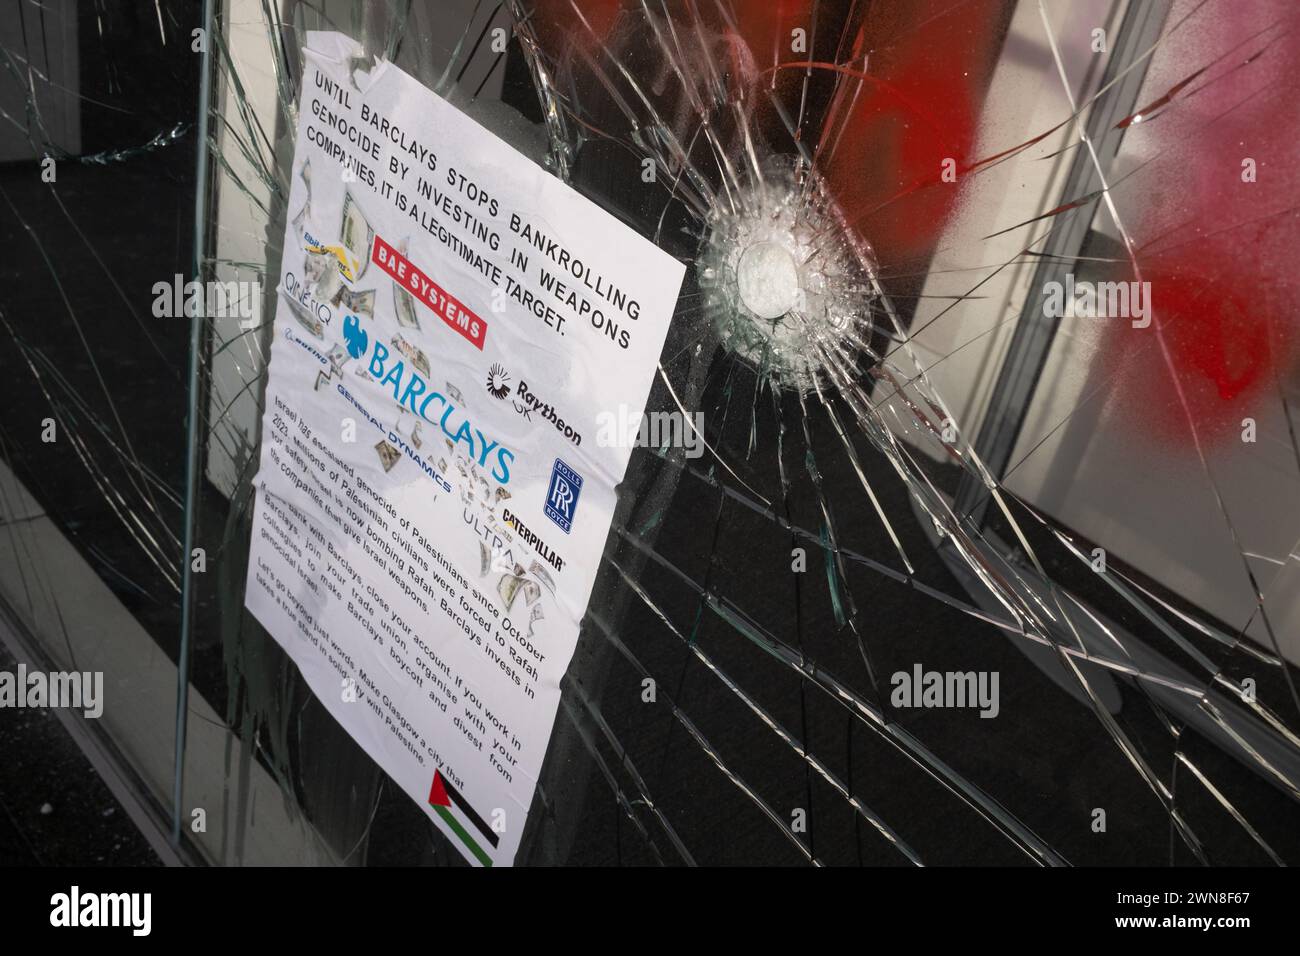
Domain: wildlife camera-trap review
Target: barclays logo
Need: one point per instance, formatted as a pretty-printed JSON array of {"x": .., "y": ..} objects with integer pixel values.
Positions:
[
  {"x": 412, "y": 391},
  {"x": 355, "y": 338}
]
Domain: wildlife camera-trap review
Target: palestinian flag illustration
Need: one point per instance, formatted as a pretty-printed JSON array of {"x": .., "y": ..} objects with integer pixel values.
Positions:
[{"x": 443, "y": 797}]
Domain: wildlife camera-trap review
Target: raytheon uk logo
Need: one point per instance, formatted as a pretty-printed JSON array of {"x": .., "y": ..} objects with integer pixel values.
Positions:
[
  {"x": 410, "y": 390},
  {"x": 498, "y": 381},
  {"x": 526, "y": 402},
  {"x": 562, "y": 495}
]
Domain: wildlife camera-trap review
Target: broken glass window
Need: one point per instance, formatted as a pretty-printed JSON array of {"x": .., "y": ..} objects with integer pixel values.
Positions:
[{"x": 983, "y": 366}]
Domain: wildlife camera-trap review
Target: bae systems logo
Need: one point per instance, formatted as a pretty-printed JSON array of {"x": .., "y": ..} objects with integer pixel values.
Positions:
[{"x": 562, "y": 495}]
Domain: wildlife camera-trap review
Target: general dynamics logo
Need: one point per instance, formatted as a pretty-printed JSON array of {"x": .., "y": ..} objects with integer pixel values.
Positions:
[{"x": 525, "y": 402}]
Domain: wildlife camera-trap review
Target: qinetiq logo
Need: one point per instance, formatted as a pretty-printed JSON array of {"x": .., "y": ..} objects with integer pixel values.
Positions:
[{"x": 562, "y": 495}]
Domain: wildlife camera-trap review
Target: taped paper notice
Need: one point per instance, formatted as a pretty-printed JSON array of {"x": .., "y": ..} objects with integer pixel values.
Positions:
[{"x": 432, "y": 500}]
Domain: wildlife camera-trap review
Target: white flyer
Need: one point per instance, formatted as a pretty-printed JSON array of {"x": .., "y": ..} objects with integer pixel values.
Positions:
[{"x": 432, "y": 498}]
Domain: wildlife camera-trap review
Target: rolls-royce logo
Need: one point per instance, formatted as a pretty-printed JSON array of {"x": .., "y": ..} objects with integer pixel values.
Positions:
[
  {"x": 498, "y": 381},
  {"x": 562, "y": 495}
]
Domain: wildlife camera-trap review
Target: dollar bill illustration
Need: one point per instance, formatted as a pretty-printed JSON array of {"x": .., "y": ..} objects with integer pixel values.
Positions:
[
  {"x": 300, "y": 220},
  {"x": 405, "y": 420},
  {"x": 306, "y": 318},
  {"x": 542, "y": 575},
  {"x": 403, "y": 301},
  {"x": 315, "y": 265},
  {"x": 356, "y": 235},
  {"x": 388, "y": 455},
  {"x": 321, "y": 271},
  {"x": 338, "y": 357},
  {"x": 358, "y": 303},
  {"x": 508, "y": 587},
  {"x": 412, "y": 354}
]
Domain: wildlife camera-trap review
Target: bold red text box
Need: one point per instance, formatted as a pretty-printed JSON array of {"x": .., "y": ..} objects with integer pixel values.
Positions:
[{"x": 444, "y": 305}]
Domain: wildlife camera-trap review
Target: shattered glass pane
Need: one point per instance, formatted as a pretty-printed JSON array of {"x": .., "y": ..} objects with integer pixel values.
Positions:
[{"x": 975, "y": 539}]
